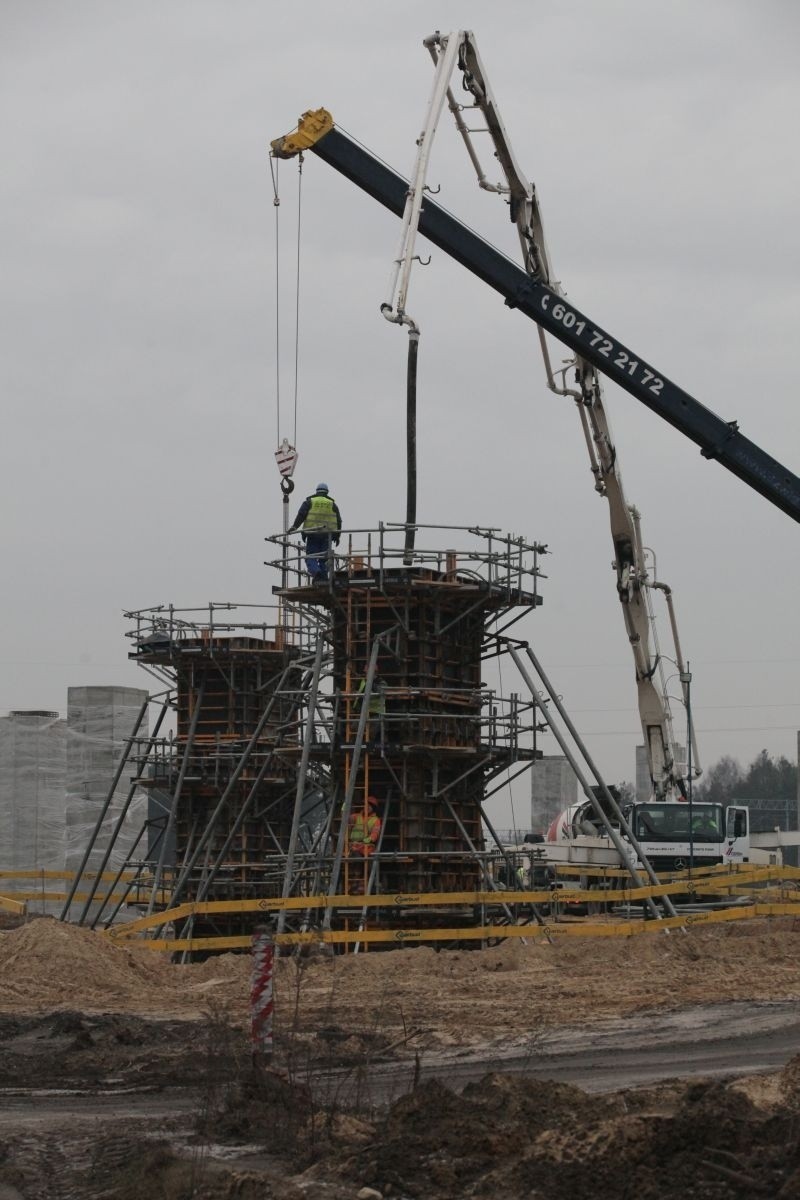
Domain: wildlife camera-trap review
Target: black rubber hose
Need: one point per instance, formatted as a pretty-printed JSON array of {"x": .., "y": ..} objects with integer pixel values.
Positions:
[{"x": 411, "y": 445}]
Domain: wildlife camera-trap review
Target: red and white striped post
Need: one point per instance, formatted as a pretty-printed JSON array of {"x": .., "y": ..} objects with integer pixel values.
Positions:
[{"x": 261, "y": 1004}]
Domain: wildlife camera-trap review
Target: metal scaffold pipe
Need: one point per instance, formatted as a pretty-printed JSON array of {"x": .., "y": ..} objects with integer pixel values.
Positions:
[
  {"x": 123, "y": 813},
  {"x": 613, "y": 834},
  {"x": 301, "y": 780},
  {"x": 482, "y": 865},
  {"x": 506, "y": 857},
  {"x": 411, "y": 446},
  {"x": 106, "y": 805},
  {"x": 198, "y": 703},
  {"x": 205, "y": 886},
  {"x": 205, "y": 837},
  {"x": 129, "y": 886}
]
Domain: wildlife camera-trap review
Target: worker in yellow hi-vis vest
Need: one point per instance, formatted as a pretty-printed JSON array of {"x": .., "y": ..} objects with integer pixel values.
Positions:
[
  {"x": 322, "y": 524},
  {"x": 364, "y": 829}
]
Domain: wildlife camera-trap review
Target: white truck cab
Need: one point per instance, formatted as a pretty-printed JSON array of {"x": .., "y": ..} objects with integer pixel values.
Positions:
[{"x": 676, "y": 834}]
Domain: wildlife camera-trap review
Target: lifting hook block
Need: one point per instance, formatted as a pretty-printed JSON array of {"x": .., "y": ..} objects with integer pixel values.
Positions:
[{"x": 287, "y": 487}]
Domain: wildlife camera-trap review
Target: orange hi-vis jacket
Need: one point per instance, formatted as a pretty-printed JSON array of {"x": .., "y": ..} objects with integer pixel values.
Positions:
[{"x": 364, "y": 833}]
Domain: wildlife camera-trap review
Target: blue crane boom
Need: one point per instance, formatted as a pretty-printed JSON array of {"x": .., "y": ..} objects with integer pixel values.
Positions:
[{"x": 718, "y": 439}]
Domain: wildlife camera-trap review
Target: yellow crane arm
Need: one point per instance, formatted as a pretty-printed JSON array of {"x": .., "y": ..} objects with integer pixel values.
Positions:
[{"x": 312, "y": 126}]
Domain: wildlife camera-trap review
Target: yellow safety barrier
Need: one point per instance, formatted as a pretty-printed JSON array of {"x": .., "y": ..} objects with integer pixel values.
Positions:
[
  {"x": 61, "y": 897},
  {"x": 568, "y": 868},
  {"x": 718, "y": 869},
  {"x": 402, "y": 900},
  {"x": 106, "y": 876},
  {"x": 548, "y": 932}
]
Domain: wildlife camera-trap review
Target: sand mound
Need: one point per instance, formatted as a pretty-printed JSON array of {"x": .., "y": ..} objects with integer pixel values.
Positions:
[
  {"x": 47, "y": 963},
  {"x": 459, "y": 997}
]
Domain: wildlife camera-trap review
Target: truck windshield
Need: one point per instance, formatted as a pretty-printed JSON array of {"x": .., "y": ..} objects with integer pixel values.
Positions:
[{"x": 670, "y": 822}]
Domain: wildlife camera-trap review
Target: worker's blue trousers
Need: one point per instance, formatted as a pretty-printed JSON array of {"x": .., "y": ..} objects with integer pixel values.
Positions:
[{"x": 317, "y": 546}]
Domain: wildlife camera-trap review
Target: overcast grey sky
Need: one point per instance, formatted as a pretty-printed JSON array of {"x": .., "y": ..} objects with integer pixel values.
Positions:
[{"x": 137, "y": 321}]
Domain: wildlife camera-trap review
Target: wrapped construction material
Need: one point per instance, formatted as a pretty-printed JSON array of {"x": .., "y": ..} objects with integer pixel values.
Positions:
[
  {"x": 32, "y": 772},
  {"x": 100, "y": 723}
]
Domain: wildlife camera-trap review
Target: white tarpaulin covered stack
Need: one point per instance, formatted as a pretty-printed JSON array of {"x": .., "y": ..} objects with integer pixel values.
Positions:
[
  {"x": 54, "y": 779},
  {"x": 32, "y": 772}
]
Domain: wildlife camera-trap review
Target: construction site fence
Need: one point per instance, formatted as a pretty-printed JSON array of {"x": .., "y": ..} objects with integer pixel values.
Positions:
[
  {"x": 710, "y": 883},
  {"x": 17, "y": 902},
  {"x": 740, "y": 881},
  {"x": 105, "y": 876},
  {"x": 546, "y": 932}
]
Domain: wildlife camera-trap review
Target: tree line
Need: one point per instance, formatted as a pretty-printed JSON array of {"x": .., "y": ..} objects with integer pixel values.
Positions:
[{"x": 766, "y": 778}]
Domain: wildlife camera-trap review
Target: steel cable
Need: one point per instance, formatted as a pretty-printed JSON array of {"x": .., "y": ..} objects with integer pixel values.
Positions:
[
  {"x": 297, "y": 291},
  {"x": 277, "y": 205}
]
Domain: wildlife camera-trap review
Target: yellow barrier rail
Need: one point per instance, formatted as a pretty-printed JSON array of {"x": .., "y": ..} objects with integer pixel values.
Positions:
[
  {"x": 106, "y": 876},
  {"x": 549, "y": 932},
  {"x": 61, "y": 897},
  {"x": 403, "y": 900}
]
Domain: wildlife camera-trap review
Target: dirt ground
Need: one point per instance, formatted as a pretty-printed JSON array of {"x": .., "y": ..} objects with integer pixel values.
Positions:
[
  {"x": 459, "y": 997},
  {"x": 124, "y": 1075}
]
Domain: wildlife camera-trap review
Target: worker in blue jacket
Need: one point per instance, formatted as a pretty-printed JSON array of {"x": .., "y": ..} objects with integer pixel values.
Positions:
[{"x": 321, "y": 524}]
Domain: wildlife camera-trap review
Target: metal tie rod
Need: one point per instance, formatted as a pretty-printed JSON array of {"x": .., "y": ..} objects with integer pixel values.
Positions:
[
  {"x": 103, "y": 811},
  {"x": 301, "y": 780},
  {"x": 205, "y": 837},
  {"x": 171, "y": 816},
  {"x": 591, "y": 797},
  {"x": 123, "y": 813}
]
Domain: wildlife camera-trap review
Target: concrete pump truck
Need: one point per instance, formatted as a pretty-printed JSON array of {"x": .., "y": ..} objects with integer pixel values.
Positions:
[{"x": 671, "y": 830}]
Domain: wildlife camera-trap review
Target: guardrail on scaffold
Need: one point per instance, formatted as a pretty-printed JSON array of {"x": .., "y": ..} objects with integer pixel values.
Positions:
[
  {"x": 167, "y": 628},
  {"x": 500, "y": 561}
]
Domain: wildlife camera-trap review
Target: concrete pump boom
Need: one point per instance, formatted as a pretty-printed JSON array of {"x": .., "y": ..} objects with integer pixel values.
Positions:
[
  {"x": 717, "y": 439},
  {"x": 630, "y": 563}
]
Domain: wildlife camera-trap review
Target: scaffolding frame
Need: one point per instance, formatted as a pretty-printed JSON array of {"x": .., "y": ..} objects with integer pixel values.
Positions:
[{"x": 291, "y": 715}]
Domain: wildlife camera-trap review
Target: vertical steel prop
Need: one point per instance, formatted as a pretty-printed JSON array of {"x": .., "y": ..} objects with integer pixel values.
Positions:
[{"x": 261, "y": 1002}]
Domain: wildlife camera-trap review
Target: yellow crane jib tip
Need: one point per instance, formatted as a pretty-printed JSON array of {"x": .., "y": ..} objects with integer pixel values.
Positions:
[{"x": 312, "y": 126}]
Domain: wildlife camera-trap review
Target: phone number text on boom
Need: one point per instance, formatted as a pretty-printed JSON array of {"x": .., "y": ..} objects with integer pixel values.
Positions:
[{"x": 603, "y": 345}]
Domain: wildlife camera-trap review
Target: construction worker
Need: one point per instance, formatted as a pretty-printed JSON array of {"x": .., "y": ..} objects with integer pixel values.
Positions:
[
  {"x": 705, "y": 827},
  {"x": 376, "y": 711},
  {"x": 321, "y": 524},
  {"x": 363, "y": 831}
]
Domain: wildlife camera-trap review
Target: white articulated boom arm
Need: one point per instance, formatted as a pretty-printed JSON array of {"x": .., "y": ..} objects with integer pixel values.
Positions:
[
  {"x": 629, "y": 553},
  {"x": 537, "y": 295}
]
